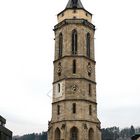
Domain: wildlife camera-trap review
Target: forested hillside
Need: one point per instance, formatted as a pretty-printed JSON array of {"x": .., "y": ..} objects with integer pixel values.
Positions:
[
  {"x": 112, "y": 133},
  {"x": 33, "y": 136},
  {"x": 115, "y": 133}
]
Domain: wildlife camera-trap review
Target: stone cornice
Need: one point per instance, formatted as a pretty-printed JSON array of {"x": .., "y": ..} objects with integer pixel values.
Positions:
[
  {"x": 74, "y": 78},
  {"x": 85, "y": 100},
  {"x": 74, "y": 56},
  {"x": 74, "y": 21},
  {"x": 73, "y": 9},
  {"x": 95, "y": 122}
]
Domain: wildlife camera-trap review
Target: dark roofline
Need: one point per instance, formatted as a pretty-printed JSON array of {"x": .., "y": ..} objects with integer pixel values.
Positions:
[
  {"x": 74, "y": 21},
  {"x": 2, "y": 120},
  {"x": 6, "y": 131},
  {"x": 135, "y": 136},
  {"x": 74, "y": 9}
]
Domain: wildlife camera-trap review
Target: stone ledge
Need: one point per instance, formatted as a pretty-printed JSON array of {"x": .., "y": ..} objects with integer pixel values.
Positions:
[{"x": 74, "y": 21}]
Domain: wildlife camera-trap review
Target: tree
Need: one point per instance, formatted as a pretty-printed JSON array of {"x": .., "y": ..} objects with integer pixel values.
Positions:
[{"x": 132, "y": 130}]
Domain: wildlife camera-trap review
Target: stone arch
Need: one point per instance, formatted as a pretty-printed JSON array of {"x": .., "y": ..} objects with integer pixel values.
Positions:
[
  {"x": 74, "y": 133},
  {"x": 91, "y": 134},
  {"x": 57, "y": 134}
]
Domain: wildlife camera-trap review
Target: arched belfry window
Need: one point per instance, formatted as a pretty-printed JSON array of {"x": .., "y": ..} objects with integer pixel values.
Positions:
[
  {"x": 88, "y": 44},
  {"x": 91, "y": 134},
  {"x": 60, "y": 45},
  {"x": 74, "y": 133},
  {"x": 57, "y": 134},
  {"x": 74, "y": 42}
]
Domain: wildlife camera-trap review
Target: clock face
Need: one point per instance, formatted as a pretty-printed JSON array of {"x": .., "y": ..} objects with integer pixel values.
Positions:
[
  {"x": 59, "y": 89},
  {"x": 74, "y": 88}
]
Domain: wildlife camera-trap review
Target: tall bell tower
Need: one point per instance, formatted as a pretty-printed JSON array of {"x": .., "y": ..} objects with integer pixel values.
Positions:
[{"x": 74, "y": 106}]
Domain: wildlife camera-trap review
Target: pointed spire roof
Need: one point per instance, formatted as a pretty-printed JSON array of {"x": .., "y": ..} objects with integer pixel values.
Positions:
[{"x": 74, "y": 4}]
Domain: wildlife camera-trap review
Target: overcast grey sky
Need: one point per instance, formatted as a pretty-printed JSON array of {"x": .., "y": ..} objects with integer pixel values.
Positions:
[{"x": 27, "y": 53}]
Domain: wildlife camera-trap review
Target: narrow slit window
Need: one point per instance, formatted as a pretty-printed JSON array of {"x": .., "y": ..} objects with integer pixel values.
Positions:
[
  {"x": 74, "y": 42},
  {"x": 60, "y": 45},
  {"x": 89, "y": 90},
  {"x": 59, "y": 69},
  {"x": 58, "y": 109},
  {"x": 59, "y": 87},
  {"x": 90, "y": 110},
  {"x": 74, "y": 108},
  {"x": 88, "y": 45},
  {"x": 74, "y": 66}
]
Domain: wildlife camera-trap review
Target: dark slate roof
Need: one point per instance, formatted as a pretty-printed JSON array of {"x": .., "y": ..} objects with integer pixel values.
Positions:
[
  {"x": 2, "y": 120},
  {"x": 6, "y": 131},
  {"x": 74, "y": 4}
]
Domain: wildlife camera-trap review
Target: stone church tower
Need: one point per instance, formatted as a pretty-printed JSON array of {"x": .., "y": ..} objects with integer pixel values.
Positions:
[{"x": 74, "y": 106}]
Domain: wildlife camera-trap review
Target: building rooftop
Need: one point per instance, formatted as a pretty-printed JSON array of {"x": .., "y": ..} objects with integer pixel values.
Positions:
[
  {"x": 4, "y": 132},
  {"x": 135, "y": 137},
  {"x": 2, "y": 120}
]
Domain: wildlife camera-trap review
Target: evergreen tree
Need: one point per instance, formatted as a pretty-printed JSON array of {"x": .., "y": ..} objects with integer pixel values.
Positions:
[{"x": 132, "y": 130}]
